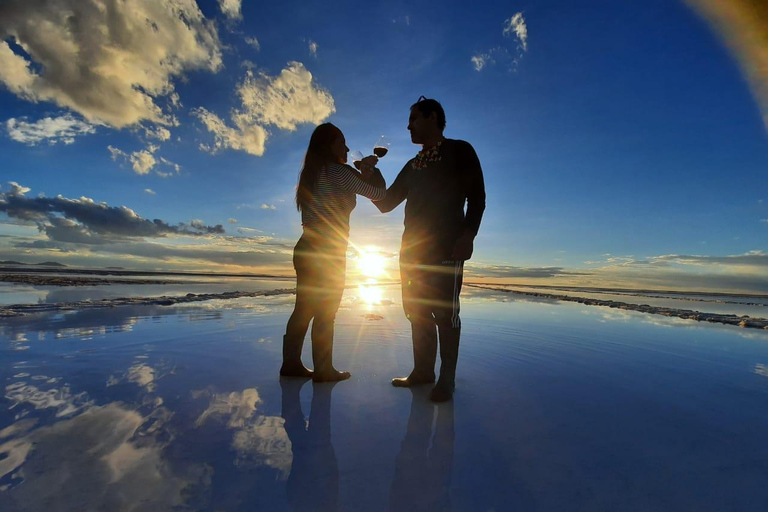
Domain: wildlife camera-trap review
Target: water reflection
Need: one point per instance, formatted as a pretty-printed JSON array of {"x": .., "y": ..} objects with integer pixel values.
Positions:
[
  {"x": 313, "y": 484},
  {"x": 90, "y": 323},
  {"x": 423, "y": 468},
  {"x": 107, "y": 458}
]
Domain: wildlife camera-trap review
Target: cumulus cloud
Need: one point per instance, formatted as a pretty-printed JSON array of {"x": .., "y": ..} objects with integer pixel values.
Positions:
[
  {"x": 85, "y": 221},
  {"x": 143, "y": 161},
  {"x": 232, "y": 9},
  {"x": 250, "y": 138},
  {"x": 283, "y": 101},
  {"x": 313, "y": 46},
  {"x": 232, "y": 220},
  {"x": 49, "y": 129},
  {"x": 108, "y": 60},
  {"x": 265, "y": 206},
  {"x": 157, "y": 132},
  {"x": 743, "y": 24},
  {"x": 150, "y": 191},
  {"x": 253, "y": 43},
  {"x": 289, "y": 99}
]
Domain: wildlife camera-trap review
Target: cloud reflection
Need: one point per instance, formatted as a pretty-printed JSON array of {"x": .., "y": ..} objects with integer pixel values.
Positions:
[{"x": 99, "y": 460}]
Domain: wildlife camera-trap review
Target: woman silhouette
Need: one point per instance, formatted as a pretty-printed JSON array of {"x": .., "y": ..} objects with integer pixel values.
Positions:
[{"x": 325, "y": 196}]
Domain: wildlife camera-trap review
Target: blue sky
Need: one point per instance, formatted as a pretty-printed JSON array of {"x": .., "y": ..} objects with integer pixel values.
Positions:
[{"x": 623, "y": 143}]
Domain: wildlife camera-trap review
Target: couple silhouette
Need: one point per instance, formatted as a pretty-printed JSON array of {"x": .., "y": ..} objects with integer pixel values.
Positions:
[
  {"x": 423, "y": 466},
  {"x": 436, "y": 185}
]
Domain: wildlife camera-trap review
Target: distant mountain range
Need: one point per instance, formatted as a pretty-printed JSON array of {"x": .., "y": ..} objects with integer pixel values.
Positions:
[{"x": 43, "y": 264}]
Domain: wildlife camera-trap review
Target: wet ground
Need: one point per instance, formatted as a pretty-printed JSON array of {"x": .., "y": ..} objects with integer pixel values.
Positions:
[{"x": 558, "y": 406}]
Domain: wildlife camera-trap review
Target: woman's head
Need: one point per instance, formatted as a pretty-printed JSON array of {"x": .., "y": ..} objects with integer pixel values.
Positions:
[{"x": 326, "y": 146}]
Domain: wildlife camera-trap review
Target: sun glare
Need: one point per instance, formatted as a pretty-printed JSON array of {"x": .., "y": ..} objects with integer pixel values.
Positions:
[
  {"x": 369, "y": 292},
  {"x": 371, "y": 263}
]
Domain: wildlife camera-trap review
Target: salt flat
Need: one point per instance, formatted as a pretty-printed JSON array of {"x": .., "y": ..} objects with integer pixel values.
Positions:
[{"x": 559, "y": 406}]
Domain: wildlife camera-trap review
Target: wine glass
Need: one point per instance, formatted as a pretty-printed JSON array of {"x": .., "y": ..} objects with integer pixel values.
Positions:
[
  {"x": 382, "y": 147},
  {"x": 356, "y": 157}
]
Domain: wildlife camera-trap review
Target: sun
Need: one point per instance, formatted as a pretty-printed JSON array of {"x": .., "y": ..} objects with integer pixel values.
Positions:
[
  {"x": 371, "y": 263},
  {"x": 370, "y": 293}
]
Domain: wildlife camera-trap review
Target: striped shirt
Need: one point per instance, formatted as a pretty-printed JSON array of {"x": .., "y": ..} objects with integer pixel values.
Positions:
[{"x": 334, "y": 199}]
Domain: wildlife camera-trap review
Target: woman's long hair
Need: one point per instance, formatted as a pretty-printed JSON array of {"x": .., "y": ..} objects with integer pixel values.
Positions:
[{"x": 319, "y": 154}]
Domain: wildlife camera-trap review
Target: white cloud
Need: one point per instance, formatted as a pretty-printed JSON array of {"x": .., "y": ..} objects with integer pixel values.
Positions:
[
  {"x": 150, "y": 191},
  {"x": 516, "y": 25},
  {"x": 18, "y": 190},
  {"x": 248, "y": 231},
  {"x": 158, "y": 132},
  {"x": 284, "y": 101},
  {"x": 108, "y": 60},
  {"x": 765, "y": 221},
  {"x": 232, "y": 220},
  {"x": 174, "y": 100},
  {"x": 232, "y": 9},
  {"x": 481, "y": 60},
  {"x": 253, "y": 42},
  {"x": 516, "y": 28},
  {"x": 142, "y": 161},
  {"x": 265, "y": 206},
  {"x": 50, "y": 129},
  {"x": 115, "y": 153},
  {"x": 176, "y": 167},
  {"x": 313, "y": 46},
  {"x": 248, "y": 138}
]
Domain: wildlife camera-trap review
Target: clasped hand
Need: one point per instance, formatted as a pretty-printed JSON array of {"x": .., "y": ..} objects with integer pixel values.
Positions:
[{"x": 368, "y": 166}]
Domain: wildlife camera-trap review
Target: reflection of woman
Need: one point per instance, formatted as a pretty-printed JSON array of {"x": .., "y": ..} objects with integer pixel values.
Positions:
[
  {"x": 313, "y": 484},
  {"x": 422, "y": 472},
  {"x": 325, "y": 197}
]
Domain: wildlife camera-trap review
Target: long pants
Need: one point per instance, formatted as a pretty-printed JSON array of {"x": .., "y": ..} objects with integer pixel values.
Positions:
[
  {"x": 431, "y": 304},
  {"x": 320, "y": 271}
]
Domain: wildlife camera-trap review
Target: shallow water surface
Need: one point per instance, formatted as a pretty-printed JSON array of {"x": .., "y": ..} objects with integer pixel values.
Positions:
[{"x": 558, "y": 406}]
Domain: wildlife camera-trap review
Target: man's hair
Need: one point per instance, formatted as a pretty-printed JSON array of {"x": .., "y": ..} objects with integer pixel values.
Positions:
[{"x": 426, "y": 106}]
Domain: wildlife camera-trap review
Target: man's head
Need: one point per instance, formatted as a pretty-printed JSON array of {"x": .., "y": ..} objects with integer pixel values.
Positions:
[{"x": 427, "y": 121}]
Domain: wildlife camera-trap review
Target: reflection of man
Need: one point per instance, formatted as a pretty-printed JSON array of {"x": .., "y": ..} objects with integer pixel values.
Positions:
[
  {"x": 313, "y": 484},
  {"x": 423, "y": 467},
  {"x": 438, "y": 238}
]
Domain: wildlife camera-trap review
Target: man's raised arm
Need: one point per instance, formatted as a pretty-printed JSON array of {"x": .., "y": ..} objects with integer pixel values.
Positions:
[{"x": 396, "y": 194}]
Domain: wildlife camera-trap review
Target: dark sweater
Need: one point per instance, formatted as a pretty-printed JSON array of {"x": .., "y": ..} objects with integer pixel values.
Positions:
[{"x": 435, "y": 196}]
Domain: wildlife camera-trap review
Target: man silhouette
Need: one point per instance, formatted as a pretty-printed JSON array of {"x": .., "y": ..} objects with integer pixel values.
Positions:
[{"x": 437, "y": 239}]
